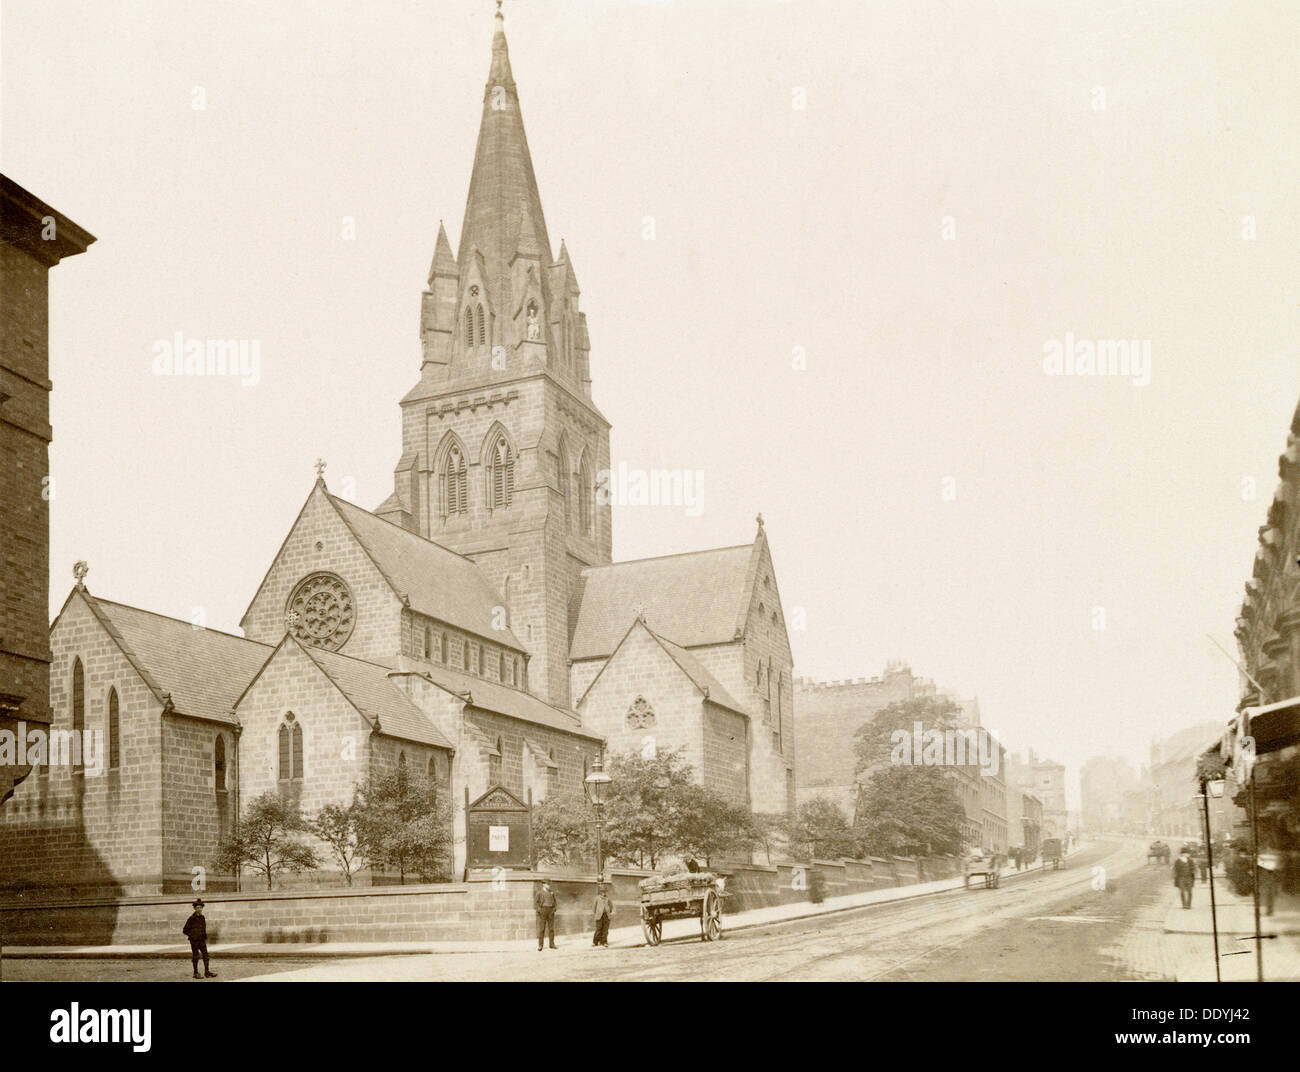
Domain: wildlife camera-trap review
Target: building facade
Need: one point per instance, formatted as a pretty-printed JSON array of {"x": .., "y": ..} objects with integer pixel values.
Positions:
[
  {"x": 33, "y": 239},
  {"x": 1044, "y": 779}
]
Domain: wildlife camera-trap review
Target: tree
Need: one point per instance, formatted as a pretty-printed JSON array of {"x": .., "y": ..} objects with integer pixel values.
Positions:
[
  {"x": 875, "y": 741},
  {"x": 769, "y": 831},
  {"x": 403, "y": 823},
  {"x": 819, "y": 829},
  {"x": 265, "y": 840},
  {"x": 645, "y": 799},
  {"x": 562, "y": 832},
  {"x": 339, "y": 826},
  {"x": 910, "y": 811},
  {"x": 709, "y": 825}
]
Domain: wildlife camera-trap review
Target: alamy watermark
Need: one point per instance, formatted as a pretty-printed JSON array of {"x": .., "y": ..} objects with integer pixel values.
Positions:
[
  {"x": 42, "y": 747},
  {"x": 961, "y": 746},
  {"x": 1120, "y": 358},
  {"x": 626, "y": 486},
  {"x": 179, "y": 356}
]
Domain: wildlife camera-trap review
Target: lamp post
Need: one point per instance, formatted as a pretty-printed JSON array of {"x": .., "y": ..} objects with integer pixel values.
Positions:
[{"x": 597, "y": 783}]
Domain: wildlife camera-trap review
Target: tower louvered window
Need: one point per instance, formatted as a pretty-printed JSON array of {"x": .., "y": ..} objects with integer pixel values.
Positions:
[
  {"x": 455, "y": 484},
  {"x": 501, "y": 475},
  {"x": 480, "y": 325},
  {"x": 469, "y": 328}
]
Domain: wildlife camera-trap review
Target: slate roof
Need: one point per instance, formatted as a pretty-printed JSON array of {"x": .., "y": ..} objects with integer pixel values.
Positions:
[
  {"x": 503, "y": 700},
  {"x": 438, "y": 582},
  {"x": 204, "y": 670},
  {"x": 694, "y": 599},
  {"x": 699, "y": 674},
  {"x": 371, "y": 691}
]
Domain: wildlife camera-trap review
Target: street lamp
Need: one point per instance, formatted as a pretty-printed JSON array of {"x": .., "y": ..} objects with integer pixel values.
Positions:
[{"x": 597, "y": 783}]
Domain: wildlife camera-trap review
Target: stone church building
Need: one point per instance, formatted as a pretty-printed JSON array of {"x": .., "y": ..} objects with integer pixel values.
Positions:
[{"x": 473, "y": 626}]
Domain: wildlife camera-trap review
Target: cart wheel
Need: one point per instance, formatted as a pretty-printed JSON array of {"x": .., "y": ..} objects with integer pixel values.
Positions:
[
  {"x": 710, "y": 917},
  {"x": 652, "y": 927}
]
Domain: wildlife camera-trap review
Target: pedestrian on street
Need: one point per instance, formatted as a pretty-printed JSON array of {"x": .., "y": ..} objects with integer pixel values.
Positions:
[
  {"x": 544, "y": 905},
  {"x": 603, "y": 910},
  {"x": 1185, "y": 876},
  {"x": 1203, "y": 863},
  {"x": 196, "y": 930}
]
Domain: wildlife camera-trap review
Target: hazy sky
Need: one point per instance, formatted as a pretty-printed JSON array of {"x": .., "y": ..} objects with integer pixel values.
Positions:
[{"x": 930, "y": 492}]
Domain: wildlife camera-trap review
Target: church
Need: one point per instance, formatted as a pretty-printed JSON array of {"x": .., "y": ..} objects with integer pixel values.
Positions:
[{"x": 472, "y": 626}]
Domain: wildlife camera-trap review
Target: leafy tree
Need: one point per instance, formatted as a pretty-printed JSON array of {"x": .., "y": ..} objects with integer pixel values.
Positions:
[
  {"x": 403, "y": 823},
  {"x": 643, "y": 815},
  {"x": 769, "y": 831},
  {"x": 340, "y": 827},
  {"x": 910, "y": 811},
  {"x": 266, "y": 841},
  {"x": 562, "y": 831},
  {"x": 874, "y": 742},
  {"x": 708, "y": 825},
  {"x": 819, "y": 829}
]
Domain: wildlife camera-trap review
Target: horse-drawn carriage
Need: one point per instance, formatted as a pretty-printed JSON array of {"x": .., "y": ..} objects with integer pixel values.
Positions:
[
  {"x": 690, "y": 895},
  {"x": 1053, "y": 853},
  {"x": 1158, "y": 852},
  {"x": 984, "y": 865}
]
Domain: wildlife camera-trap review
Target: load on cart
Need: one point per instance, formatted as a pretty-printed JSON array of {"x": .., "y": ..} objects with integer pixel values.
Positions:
[{"x": 687, "y": 895}]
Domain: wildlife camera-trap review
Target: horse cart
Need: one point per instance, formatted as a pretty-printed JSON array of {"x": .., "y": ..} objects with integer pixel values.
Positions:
[
  {"x": 1157, "y": 852},
  {"x": 1052, "y": 853},
  {"x": 986, "y": 866},
  {"x": 694, "y": 895}
]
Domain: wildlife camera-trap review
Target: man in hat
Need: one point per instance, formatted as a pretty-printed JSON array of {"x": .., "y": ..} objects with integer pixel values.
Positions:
[
  {"x": 196, "y": 930},
  {"x": 1185, "y": 875},
  {"x": 544, "y": 904},
  {"x": 603, "y": 910}
]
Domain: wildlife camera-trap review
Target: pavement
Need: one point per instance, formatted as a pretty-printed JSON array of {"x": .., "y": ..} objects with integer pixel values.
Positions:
[
  {"x": 619, "y": 937},
  {"x": 1190, "y": 936}
]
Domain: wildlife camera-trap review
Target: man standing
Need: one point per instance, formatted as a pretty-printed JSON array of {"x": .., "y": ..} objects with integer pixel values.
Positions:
[
  {"x": 1185, "y": 876},
  {"x": 603, "y": 910},
  {"x": 544, "y": 905},
  {"x": 196, "y": 930}
]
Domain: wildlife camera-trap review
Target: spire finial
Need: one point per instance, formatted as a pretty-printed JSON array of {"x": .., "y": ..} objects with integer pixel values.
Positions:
[
  {"x": 759, "y": 519},
  {"x": 79, "y": 571},
  {"x": 320, "y": 469},
  {"x": 500, "y": 17}
]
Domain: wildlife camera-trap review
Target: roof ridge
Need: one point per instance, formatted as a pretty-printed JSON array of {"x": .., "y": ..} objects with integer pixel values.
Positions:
[
  {"x": 181, "y": 621},
  {"x": 675, "y": 554},
  {"x": 400, "y": 528}
]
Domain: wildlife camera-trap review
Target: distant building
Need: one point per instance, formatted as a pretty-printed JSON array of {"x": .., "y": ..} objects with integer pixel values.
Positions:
[
  {"x": 1103, "y": 782},
  {"x": 1045, "y": 779},
  {"x": 828, "y": 715},
  {"x": 33, "y": 239}
]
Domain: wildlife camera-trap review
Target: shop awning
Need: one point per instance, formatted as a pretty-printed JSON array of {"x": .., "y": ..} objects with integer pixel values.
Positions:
[{"x": 1274, "y": 726}]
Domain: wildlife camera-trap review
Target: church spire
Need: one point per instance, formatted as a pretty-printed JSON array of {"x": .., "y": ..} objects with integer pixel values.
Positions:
[
  {"x": 443, "y": 261},
  {"x": 502, "y": 180}
]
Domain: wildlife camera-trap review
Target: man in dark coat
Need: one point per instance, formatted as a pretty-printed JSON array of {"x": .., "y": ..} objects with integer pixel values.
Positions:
[
  {"x": 604, "y": 908},
  {"x": 1185, "y": 876},
  {"x": 196, "y": 930},
  {"x": 544, "y": 905}
]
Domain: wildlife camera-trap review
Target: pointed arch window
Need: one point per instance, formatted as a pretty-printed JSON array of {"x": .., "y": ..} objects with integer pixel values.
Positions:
[
  {"x": 562, "y": 479},
  {"x": 469, "y": 328},
  {"x": 290, "y": 749},
  {"x": 586, "y": 496},
  {"x": 481, "y": 325},
  {"x": 454, "y": 483},
  {"x": 219, "y": 763},
  {"x": 494, "y": 764},
  {"x": 78, "y": 711},
  {"x": 501, "y": 474},
  {"x": 114, "y": 732},
  {"x": 428, "y": 642}
]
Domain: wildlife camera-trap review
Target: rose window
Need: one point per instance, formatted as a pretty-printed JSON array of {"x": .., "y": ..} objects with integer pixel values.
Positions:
[{"x": 320, "y": 611}]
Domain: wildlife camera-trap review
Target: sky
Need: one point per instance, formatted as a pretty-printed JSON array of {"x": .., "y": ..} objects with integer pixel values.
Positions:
[{"x": 826, "y": 250}]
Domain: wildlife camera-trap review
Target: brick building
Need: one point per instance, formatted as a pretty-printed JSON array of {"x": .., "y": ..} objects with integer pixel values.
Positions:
[
  {"x": 1044, "y": 779},
  {"x": 33, "y": 239},
  {"x": 473, "y": 627}
]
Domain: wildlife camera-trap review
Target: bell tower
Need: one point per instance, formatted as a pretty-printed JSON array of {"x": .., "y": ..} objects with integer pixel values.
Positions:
[{"x": 502, "y": 445}]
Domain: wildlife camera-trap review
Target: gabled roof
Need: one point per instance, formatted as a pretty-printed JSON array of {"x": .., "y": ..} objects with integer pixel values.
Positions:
[
  {"x": 436, "y": 581},
  {"x": 380, "y": 701},
  {"x": 697, "y": 598},
  {"x": 504, "y": 700},
  {"x": 204, "y": 671},
  {"x": 710, "y": 687}
]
